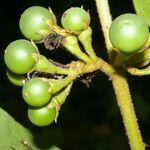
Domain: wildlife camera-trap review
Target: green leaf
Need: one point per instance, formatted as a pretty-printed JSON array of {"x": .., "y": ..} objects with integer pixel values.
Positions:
[
  {"x": 14, "y": 136},
  {"x": 142, "y": 8}
]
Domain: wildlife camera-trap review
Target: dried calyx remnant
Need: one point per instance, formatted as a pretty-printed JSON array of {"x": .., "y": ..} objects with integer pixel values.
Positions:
[{"x": 53, "y": 40}]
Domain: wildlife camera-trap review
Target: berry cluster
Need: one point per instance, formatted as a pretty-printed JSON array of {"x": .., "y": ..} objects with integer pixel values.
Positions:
[{"x": 45, "y": 85}]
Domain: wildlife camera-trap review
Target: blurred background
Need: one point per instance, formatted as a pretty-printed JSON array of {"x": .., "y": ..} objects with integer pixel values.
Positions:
[{"x": 90, "y": 118}]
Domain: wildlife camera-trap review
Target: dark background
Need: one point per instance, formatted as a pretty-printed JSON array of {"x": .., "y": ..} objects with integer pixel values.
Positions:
[{"x": 90, "y": 118}]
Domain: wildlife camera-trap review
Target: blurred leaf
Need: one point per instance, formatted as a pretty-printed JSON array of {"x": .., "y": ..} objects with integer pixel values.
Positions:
[
  {"x": 14, "y": 136},
  {"x": 142, "y": 8}
]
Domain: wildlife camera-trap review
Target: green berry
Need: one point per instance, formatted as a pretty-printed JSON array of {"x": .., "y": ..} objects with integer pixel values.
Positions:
[
  {"x": 128, "y": 33},
  {"x": 19, "y": 56},
  {"x": 15, "y": 78},
  {"x": 75, "y": 19},
  {"x": 32, "y": 21},
  {"x": 36, "y": 92},
  {"x": 41, "y": 116}
]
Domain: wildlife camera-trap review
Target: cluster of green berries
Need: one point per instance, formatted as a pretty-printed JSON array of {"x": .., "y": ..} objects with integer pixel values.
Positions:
[
  {"x": 128, "y": 33},
  {"x": 35, "y": 23}
]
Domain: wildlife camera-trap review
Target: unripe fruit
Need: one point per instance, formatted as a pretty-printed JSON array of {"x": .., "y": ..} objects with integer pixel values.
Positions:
[
  {"x": 75, "y": 19},
  {"x": 128, "y": 33},
  {"x": 15, "y": 78},
  {"x": 19, "y": 56},
  {"x": 32, "y": 21},
  {"x": 41, "y": 116},
  {"x": 35, "y": 92}
]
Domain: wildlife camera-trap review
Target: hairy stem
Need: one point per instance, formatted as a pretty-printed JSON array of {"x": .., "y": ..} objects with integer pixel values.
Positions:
[
  {"x": 105, "y": 20},
  {"x": 120, "y": 84},
  {"x": 101, "y": 65},
  {"x": 139, "y": 72},
  {"x": 124, "y": 100}
]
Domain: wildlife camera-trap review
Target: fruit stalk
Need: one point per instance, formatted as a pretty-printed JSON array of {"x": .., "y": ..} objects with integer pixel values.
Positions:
[
  {"x": 139, "y": 72},
  {"x": 71, "y": 45},
  {"x": 86, "y": 39}
]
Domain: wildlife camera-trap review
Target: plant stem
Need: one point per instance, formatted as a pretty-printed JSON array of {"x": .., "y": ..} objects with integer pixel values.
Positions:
[
  {"x": 120, "y": 84},
  {"x": 86, "y": 39},
  {"x": 72, "y": 46},
  {"x": 139, "y": 72},
  {"x": 105, "y": 20},
  {"x": 124, "y": 100},
  {"x": 99, "y": 64}
]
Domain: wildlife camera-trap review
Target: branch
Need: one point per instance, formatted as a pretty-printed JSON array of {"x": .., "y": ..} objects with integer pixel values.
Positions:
[
  {"x": 139, "y": 72},
  {"x": 120, "y": 84},
  {"x": 124, "y": 100},
  {"x": 105, "y": 20}
]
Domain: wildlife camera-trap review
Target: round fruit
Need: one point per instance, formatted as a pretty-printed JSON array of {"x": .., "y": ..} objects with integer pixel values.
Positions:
[
  {"x": 32, "y": 21},
  {"x": 15, "y": 78},
  {"x": 75, "y": 19},
  {"x": 41, "y": 116},
  {"x": 19, "y": 56},
  {"x": 128, "y": 33},
  {"x": 35, "y": 92}
]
